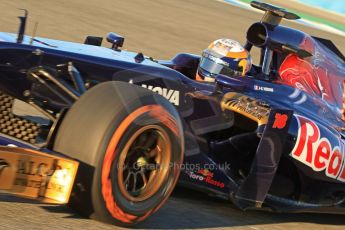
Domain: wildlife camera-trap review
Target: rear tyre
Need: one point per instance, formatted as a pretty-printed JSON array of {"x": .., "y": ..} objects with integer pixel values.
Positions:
[{"x": 129, "y": 143}]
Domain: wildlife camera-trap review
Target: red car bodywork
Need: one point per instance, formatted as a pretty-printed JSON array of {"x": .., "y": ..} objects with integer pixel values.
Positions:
[{"x": 322, "y": 74}]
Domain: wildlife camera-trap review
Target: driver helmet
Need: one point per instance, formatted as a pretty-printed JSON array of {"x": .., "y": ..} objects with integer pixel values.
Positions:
[{"x": 223, "y": 56}]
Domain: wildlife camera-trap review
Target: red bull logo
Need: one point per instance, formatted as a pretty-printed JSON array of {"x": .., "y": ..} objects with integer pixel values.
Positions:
[{"x": 317, "y": 152}]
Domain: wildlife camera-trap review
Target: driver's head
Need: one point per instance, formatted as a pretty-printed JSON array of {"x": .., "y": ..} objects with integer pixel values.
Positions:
[{"x": 223, "y": 56}]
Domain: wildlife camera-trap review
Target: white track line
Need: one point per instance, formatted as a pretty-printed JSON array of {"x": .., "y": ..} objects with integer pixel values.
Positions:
[{"x": 302, "y": 21}]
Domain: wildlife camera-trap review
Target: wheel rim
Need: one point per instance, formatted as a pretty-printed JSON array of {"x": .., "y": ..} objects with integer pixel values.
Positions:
[{"x": 144, "y": 163}]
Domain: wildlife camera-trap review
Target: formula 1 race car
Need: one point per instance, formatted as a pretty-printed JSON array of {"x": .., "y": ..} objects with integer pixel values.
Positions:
[{"x": 111, "y": 132}]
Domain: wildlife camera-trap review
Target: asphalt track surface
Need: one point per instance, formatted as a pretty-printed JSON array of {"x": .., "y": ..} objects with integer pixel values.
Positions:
[{"x": 158, "y": 28}]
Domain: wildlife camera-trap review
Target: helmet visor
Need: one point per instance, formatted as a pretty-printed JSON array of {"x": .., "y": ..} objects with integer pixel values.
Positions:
[
  {"x": 210, "y": 66},
  {"x": 213, "y": 68}
]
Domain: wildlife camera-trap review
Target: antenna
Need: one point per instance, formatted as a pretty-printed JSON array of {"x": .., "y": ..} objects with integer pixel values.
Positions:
[
  {"x": 273, "y": 15},
  {"x": 22, "y": 26},
  {"x": 34, "y": 33}
]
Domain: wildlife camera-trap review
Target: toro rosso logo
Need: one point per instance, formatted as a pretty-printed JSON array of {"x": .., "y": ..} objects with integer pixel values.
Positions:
[
  {"x": 206, "y": 176},
  {"x": 317, "y": 152}
]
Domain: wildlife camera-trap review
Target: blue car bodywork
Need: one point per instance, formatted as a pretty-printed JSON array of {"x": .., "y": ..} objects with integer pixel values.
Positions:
[{"x": 249, "y": 139}]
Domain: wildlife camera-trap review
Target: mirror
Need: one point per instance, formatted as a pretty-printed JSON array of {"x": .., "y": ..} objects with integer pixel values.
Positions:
[{"x": 116, "y": 40}]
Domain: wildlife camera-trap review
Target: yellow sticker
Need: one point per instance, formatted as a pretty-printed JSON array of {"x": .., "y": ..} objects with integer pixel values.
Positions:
[{"x": 249, "y": 107}]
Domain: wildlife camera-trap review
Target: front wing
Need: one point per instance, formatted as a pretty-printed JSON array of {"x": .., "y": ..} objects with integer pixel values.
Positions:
[{"x": 36, "y": 175}]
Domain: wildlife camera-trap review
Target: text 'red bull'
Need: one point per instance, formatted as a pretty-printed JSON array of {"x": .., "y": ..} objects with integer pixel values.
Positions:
[{"x": 317, "y": 152}]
